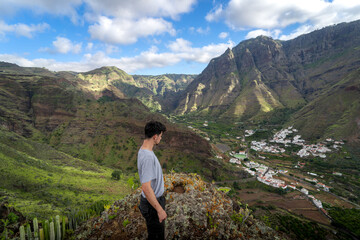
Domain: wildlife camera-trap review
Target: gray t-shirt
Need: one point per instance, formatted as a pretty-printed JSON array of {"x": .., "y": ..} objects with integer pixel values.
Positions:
[{"x": 150, "y": 170}]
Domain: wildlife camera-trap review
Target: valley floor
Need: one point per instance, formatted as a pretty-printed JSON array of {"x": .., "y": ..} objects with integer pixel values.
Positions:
[{"x": 301, "y": 166}]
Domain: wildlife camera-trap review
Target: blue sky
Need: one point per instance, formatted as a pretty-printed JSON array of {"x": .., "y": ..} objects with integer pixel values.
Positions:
[{"x": 151, "y": 37}]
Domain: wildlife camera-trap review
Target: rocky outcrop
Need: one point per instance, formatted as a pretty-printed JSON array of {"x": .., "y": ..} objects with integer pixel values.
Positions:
[{"x": 195, "y": 209}]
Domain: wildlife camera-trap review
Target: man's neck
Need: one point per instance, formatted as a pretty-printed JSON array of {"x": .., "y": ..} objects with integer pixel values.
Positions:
[{"x": 148, "y": 144}]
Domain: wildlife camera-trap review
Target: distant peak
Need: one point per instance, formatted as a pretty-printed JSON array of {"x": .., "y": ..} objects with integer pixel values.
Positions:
[
  {"x": 109, "y": 68},
  {"x": 7, "y": 64},
  {"x": 264, "y": 37},
  {"x": 106, "y": 70}
]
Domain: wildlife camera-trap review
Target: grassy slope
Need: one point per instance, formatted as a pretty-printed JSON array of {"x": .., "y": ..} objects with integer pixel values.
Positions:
[
  {"x": 334, "y": 114},
  {"x": 40, "y": 181},
  {"x": 56, "y": 112}
]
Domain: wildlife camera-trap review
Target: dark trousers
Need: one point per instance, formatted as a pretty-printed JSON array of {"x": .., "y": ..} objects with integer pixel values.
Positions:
[{"x": 156, "y": 230}]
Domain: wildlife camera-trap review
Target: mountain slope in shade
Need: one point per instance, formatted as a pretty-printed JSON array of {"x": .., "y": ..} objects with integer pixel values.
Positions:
[{"x": 336, "y": 113}]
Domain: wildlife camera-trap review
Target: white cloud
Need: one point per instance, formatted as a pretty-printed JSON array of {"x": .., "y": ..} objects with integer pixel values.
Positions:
[
  {"x": 58, "y": 7},
  {"x": 215, "y": 14},
  {"x": 124, "y": 21},
  {"x": 199, "y": 30},
  {"x": 180, "y": 45},
  {"x": 63, "y": 45},
  {"x": 22, "y": 29},
  {"x": 156, "y": 41},
  {"x": 111, "y": 49},
  {"x": 89, "y": 46},
  {"x": 124, "y": 31},
  {"x": 203, "y": 30},
  {"x": 223, "y": 35},
  {"x": 17, "y": 59},
  {"x": 278, "y": 14},
  {"x": 141, "y": 18},
  {"x": 204, "y": 54},
  {"x": 136, "y": 9},
  {"x": 115, "y": 8},
  {"x": 181, "y": 49},
  {"x": 299, "y": 31},
  {"x": 270, "y": 33}
]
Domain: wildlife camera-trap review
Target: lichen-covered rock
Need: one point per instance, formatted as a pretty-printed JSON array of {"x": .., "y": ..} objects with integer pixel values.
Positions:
[{"x": 195, "y": 209}]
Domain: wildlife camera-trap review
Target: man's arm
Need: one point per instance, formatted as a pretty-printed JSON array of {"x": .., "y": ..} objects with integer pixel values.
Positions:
[{"x": 150, "y": 196}]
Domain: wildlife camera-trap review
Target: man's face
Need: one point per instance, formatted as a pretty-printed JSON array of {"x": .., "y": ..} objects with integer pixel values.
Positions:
[{"x": 157, "y": 138}]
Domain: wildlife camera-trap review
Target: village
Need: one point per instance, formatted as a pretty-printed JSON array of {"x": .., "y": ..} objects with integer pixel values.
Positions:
[
  {"x": 282, "y": 137},
  {"x": 286, "y": 171},
  {"x": 278, "y": 144},
  {"x": 266, "y": 175}
]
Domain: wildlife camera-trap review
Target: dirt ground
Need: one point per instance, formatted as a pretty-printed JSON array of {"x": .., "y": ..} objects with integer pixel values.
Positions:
[
  {"x": 293, "y": 202},
  {"x": 328, "y": 198},
  {"x": 274, "y": 162}
]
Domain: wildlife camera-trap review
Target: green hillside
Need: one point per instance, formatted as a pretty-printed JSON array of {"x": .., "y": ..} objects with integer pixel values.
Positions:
[
  {"x": 335, "y": 113},
  {"x": 40, "y": 181},
  {"x": 61, "y": 141}
]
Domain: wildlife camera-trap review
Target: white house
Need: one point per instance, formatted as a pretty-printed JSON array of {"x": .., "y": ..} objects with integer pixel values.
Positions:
[
  {"x": 313, "y": 174},
  {"x": 337, "y": 174},
  {"x": 305, "y": 191}
]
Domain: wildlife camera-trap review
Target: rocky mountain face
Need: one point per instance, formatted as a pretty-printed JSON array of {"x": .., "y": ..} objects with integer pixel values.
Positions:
[
  {"x": 161, "y": 84},
  {"x": 165, "y": 89},
  {"x": 261, "y": 75},
  {"x": 196, "y": 210},
  {"x": 152, "y": 91}
]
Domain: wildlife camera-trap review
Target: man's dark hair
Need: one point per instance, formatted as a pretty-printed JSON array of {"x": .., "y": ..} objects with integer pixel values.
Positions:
[{"x": 153, "y": 127}]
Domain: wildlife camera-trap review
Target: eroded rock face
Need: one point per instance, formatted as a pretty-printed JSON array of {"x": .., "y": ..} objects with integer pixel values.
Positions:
[{"x": 195, "y": 209}]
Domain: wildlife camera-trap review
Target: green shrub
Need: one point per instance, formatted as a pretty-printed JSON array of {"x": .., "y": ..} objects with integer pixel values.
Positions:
[
  {"x": 116, "y": 174},
  {"x": 12, "y": 218},
  {"x": 236, "y": 186},
  {"x": 126, "y": 222},
  {"x": 237, "y": 217},
  {"x": 131, "y": 183},
  {"x": 348, "y": 218},
  {"x": 105, "y": 99},
  {"x": 298, "y": 229}
]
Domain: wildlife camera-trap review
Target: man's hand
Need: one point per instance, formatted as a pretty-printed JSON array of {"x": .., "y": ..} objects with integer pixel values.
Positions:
[
  {"x": 150, "y": 196},
  {"x": 162, "y": 215}
]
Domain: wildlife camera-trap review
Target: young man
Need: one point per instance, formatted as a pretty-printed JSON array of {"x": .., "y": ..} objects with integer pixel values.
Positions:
[{"x": 152, "y": 201}]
